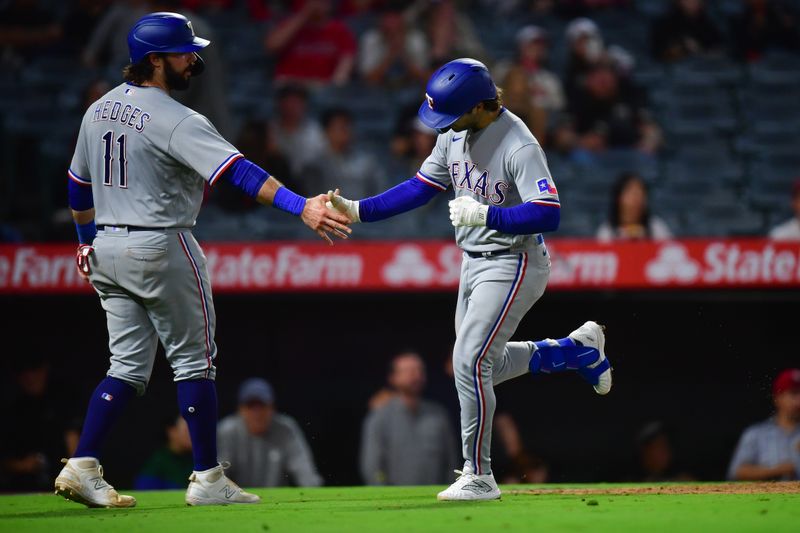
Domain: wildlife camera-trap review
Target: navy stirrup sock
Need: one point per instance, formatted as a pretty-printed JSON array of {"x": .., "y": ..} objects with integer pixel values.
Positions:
[
  {"x": 197, "y": 399},
  {"x": 106, "y": 405},
  {"x": 561, "y": 355}
]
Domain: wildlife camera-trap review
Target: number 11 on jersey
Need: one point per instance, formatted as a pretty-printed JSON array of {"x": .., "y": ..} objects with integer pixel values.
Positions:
[{"x": 108, "y": 158}]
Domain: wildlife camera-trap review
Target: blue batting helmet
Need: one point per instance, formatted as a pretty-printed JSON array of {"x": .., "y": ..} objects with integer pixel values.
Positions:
[
  {"x": 163, "y": 32},
  {"x": 453, "y": 90}
]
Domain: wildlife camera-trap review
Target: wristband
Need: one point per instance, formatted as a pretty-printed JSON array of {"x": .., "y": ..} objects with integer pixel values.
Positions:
[
  {"x": 86, "y": 232},
  {"x": 286, "y": 200}
]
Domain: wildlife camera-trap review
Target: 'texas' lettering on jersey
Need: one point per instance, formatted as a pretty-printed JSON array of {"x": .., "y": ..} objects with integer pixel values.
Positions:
[
  {"x": 116, "y": 111},
  {"x": 465, "y": 175}
]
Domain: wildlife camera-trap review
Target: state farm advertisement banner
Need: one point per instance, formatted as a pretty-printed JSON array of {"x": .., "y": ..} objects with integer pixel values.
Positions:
[{"x": 435, "y": 265}]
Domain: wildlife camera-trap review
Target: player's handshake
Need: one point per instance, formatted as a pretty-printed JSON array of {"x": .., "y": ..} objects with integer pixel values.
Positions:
[{"x": 323, "y": 218}]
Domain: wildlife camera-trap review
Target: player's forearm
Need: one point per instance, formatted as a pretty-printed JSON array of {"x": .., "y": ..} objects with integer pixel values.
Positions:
[
  {"x": 256, "y": 182},
  {"x": 344, "y": 70},
  {"x": 406, "y": 196},
  {"x": 279, "y": 38},
  {"x": 83, "y": 217},
  {"x": 524, "y": 219},
  {"x": 761, "y": 473}
]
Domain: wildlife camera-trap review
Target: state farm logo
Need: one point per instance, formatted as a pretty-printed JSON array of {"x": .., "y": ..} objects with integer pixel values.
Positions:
[
  {"x": 724, "y": 263},
  {"x": 672, "y": 263},
  {"x": 410, "y": 266}
]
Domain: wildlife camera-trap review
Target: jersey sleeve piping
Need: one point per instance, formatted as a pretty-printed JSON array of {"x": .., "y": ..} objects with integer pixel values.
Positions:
[
  {"x": 225, "y": 165},
  {"x": 430, "y": 181},
  {"x": 77, "y": 179},
  {"x": 547, "y": 201}
]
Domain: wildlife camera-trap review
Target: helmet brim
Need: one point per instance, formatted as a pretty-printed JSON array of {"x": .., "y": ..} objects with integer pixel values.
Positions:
[
  {"x": 197, "y": 43},
  {"x": 435, "y": 120}
]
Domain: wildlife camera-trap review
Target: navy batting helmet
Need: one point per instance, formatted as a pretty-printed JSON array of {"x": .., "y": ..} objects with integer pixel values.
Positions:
[
  {"x": 163, "y": 32},
  {"x": 453, "y": 90}
]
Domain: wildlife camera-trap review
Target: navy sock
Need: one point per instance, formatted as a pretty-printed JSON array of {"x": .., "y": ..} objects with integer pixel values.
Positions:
[
  {"x": 106, "y": 405},
  {"x": 197, "y": 399}
]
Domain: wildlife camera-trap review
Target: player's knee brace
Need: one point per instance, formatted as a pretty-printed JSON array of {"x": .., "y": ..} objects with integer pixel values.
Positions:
[{"x": 561, "y": 355}]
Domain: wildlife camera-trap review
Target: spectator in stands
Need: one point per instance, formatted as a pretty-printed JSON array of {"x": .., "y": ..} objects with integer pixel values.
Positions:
[
  {"x": 299, "y": 137},
  {"x": 312, "y": 47},
  {"x": 685, "y": 30},
  {"x": 530, "y": 90},
  {"x": 656, "y": 456},
  {"x": 257, "y": 142},
  {"x": 450, "y": 32},
  {"x": 510, "y": 461},
  {"x": 108, "y": 46},
  {"x": 170, "y": 466},
  {"x": 609, "y": 112},
  {"x": 586, "y": 49},
  {"x": 771, "y": 449},
  {"x": 82, "y": 18},
  {"x": 267, "y": 448},
  {"x": 93, "y": 91},
  {"x": 412, "y": 142},
  {"x": 38, "y": 426},
  {"x": 208, "y": 6},
  {"x": 790, "y": 230},
  {"x": 629, "y": 214},
  {"x": 764, "y": 25},
  {"x": 393, "y": 54},
  {"x": 26, "y": 27},
  {"x": 407, "y": 440},
  {"x": 341, "y": 164}
]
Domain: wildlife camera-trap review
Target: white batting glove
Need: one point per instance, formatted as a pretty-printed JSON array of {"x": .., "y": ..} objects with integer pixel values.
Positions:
[
  {"x": 466, "y": 211},
  {"x": 343, "y": 205}
]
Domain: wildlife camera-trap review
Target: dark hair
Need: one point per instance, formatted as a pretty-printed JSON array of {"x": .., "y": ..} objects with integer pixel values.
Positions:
[
  {"x": 329, "y": 115},
  {"x": 495, "y": 103},
  {"x": 291, "y": 89},
  {"x": 625, "y": 179},
  {"x": 140, "y": 71}
]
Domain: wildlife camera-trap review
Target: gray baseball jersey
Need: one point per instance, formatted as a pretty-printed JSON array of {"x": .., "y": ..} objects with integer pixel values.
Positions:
[
  {"x": 501, "y": 165},
  {"x": 146, "y": 157}
]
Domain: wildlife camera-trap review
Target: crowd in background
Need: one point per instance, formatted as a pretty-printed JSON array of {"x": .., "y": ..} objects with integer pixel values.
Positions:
[
  {"x": 659, "y": 105},
  {"x": 407, "y": 438}
]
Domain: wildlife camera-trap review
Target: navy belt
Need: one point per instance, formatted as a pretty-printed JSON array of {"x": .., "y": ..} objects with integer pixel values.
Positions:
[
  {"x": 491, "y": 253},
  {"x": 130, "y": 228}
]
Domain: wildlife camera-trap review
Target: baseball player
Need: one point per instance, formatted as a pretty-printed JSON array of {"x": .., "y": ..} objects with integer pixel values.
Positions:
[
  {"x": 505, "y": 199},
  {"x": 136, "y": 183}
]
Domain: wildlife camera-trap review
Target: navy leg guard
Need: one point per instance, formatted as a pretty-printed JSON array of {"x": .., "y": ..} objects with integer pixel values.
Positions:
[{"x": 560, "y": 355}]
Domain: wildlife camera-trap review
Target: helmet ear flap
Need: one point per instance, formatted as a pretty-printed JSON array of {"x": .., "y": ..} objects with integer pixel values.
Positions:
[{"x": 198, "y": 67}]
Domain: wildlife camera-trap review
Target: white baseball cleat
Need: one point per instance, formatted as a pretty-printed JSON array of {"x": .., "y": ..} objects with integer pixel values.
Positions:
[
  {"x": 471, "y": 486},
  {"x": 213, "y": 487},
  {"x": 81, "y": 480},
  {"x": 598, "y": 373}
]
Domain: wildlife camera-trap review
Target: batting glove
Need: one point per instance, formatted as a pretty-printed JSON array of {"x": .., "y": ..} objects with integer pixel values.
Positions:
[
  {"x": 82, "y": 260},
  {"x": 466, "y": 211},
  {"x": 343, "y": 205}
]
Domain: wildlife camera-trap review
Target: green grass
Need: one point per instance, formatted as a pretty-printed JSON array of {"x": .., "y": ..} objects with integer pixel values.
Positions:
[{"x": 410, "y": 509}]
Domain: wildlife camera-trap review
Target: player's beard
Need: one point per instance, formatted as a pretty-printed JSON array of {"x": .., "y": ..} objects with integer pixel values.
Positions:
[{"x": 175, "y": 80}]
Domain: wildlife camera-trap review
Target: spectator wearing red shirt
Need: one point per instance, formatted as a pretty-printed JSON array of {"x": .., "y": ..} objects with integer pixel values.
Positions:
[{"x": 312, "y": 47}]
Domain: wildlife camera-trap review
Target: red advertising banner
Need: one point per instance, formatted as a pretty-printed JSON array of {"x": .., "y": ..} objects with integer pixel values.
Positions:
[{"x": 435, "y": 265}]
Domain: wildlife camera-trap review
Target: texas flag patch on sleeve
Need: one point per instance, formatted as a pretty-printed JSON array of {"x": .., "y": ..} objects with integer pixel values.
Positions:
[{"x": 545, "y": 186}]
